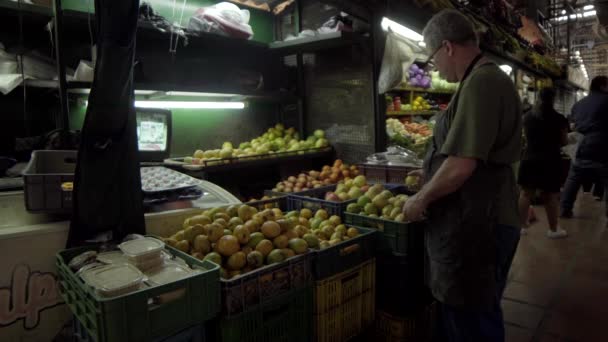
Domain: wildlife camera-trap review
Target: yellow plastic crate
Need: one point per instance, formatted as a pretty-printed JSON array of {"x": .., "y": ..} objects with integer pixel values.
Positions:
[
  {"x": 331, "y": 292},
  {"x": 345, "y": 304},
  {"x": 417, "y": 327}
]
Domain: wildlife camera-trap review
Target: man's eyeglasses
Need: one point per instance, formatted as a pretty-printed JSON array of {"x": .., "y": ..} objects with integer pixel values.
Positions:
[{"x": 429, "y": 61}]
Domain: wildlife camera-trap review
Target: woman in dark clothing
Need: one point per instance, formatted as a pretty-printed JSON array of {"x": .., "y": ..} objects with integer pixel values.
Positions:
[{"x": 546, "y": 132}]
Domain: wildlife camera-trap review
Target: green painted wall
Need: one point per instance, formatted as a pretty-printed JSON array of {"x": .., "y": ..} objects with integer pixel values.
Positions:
[
  {"x": 206, "y": 129},
  {"x": 261, "y": 22}
]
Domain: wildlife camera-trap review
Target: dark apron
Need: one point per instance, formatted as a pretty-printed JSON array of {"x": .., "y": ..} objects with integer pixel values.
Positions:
[
  {"x": 107, "y": 186},
  {"x": 460, "y": 235}
]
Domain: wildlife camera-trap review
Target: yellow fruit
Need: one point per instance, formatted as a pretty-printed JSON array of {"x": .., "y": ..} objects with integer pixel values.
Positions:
[
  {"x": 291, "y": 234},
  {"x": 255, "y": 259},
  {"x": 277, "y": 212},
  {"x": 216, "y": 232},
  {"x": 171, "y": 242},
  {"x": 234, "y": 222},
  {"x": 242, "y": 234},
  {"x": 198, "y": 154},
  {"x": 275, "y": 256},
  {"x": 271, "y": 229},
  {"x": 341, "y": 229},
  {"x": 246, "y": 212},
  {"x": 285, "y": 225},
  {"x": 228, "y": 245},
  {"x": 299, "y": 246},
  {"x": 288, "y": 253},
  {"x": 306, "y": 213},
  {"x": 324, "y": 244},
  {"x": 202, "y": 244},
  {"x": 179, "y": 235},
  {"x": 214, "y": 257},
  {"x": 183, "y": 246},
  {"x": 303, "y": 222},
  {"x": 335, "y": 220},
  {"x": 264, "y": 247},
  {"x": 254, "y": 239},
  {"x": 221, "y": 222},
  {"x": 199, "y": 219},
  {"x": 300, "y": 230},
  {"x": 234, "y": 274},
  {"x": 198, "y": 255},
  {"x": 252, "y": 226},
  {"x": 334, "y": 242},
  {"x": 236, "y": 261},
  {"x": 352, "y": 232},
  {"x": 322, "y": 214},
  {"x": 246, "y": 250},
  {"x": 281, "y": 241},
  {"x": 198, "y": 229}
]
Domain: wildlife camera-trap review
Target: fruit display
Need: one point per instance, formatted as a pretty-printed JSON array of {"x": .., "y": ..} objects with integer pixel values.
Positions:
[
  {"x": 316, "y": 179},
  {"x": 348, "y": 189},
  {"x": 241, "y": 239},
  {"x": 327, "y": 230},
  {"x": 381, "y": 203},
  {"x": 439, "y": 83},
  {"x": 418, "y": 77},
  {"x": 411, "y": 135},
  {"x": 276, "y": 139}
]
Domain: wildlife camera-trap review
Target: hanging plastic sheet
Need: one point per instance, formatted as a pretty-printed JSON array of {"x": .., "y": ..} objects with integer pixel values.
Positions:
[
  {"x": 107, "y": 189},
  {"x": 399, "y": 54}
]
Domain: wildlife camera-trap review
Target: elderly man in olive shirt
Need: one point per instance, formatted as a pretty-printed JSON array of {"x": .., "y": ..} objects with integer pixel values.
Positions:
[{"x": 470, "y": 197}]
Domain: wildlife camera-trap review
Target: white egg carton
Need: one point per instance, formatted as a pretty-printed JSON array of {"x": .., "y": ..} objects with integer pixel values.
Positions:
[{"x": 158, "y": 179}]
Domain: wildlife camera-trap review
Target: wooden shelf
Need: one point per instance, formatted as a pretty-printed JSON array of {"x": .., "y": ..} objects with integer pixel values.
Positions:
[
  {"x": 411, "y": 113},
  {"x": 422, "y": 90}
]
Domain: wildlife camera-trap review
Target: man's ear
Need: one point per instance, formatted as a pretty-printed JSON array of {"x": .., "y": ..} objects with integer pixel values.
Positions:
[{"x": 449, "y": 48}]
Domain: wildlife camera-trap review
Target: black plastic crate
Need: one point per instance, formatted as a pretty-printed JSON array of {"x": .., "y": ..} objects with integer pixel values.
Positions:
[
  {"x": 400, "y": 238},
  {"x": 43, "y": 178},
  {"x": 195, "y": 333},
  {"x": 314, "y": 200},
  {"x": 344, "y": 255},
  {"x": 400, "y": 283}
]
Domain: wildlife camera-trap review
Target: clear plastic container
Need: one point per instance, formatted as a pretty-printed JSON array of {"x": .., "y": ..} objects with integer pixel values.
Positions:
[
  {"x": 113, "y": 258},
  {"x": 114, "y": 280},
  {"x": 167, "y": 273},
  {"x": 81, "y": 260},
  {"x": 148, "y": 264},
  {"x": 142, "y": 250}
]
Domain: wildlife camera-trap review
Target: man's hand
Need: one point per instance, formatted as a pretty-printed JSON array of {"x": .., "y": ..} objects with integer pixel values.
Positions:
[{"x": 414, "y": 208}]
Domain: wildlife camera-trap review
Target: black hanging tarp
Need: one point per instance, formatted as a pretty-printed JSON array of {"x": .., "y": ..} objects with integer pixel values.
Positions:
[{"x": 107, "y": 188}]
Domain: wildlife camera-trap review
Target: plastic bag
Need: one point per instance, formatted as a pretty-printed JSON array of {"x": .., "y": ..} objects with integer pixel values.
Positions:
[
  {"x": 224, "y": 18},
  {"x": 398, "y": 52}
]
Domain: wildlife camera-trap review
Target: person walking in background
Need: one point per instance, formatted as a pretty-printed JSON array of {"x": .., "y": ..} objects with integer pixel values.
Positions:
[
  {"x": 591, "y": 120},
  {"x": 546, "y": 131},
  {"x": 470, "y": 194}
]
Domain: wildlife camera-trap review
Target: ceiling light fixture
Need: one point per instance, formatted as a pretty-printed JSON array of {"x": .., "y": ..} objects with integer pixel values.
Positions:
[
  {"x": 186, "y": 104},
  {"x": 400, "y": 29}
]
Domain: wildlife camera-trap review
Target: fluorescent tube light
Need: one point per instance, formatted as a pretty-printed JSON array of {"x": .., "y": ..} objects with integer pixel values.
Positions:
[
  {"x": 86, "y": 91},
  {"x": 400, "y": 29},
  {"x": 196, "y": 94},
  {"x": 588, "y": 7},
  {"x": 187, "y": 104},
  {"x": 190, "y": 105},
  {"x": 589, "y": 13}
]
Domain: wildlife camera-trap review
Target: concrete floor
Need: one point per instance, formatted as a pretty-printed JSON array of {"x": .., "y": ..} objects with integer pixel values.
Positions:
[{"x": 558, "y": 289}]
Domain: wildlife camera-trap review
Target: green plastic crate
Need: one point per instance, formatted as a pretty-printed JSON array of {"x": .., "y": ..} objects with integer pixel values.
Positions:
[
  {"x": 142, "y": 315},
  {"x": 345, "y": 255},
  {"x": 401, "y": 238},
  {"x": 288, "y": 318},
  {"x": 266, "y": 284}
]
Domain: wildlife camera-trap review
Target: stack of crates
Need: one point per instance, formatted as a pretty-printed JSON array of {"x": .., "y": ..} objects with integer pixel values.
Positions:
[
  {"x": 345, "y": 288},
  {"x": 401, "y": 291}
]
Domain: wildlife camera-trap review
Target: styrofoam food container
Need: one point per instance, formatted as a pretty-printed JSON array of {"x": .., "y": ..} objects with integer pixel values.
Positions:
[
  {"x": 140, "y": 250},
  {"x": 168, "y": 273},
  {"x": 114, "y": 280}
]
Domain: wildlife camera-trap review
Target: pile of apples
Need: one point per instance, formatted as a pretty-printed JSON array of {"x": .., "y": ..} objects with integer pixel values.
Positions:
[
  {"x": 348, "y": 189},
  {"x": 381, "y": 203},
  {"x": 315, "y": 179},
  {"x": 276, "y": 139}
]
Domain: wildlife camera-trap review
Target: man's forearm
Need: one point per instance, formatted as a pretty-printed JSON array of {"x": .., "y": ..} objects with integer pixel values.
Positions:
[{"x": 450, "y": 177}]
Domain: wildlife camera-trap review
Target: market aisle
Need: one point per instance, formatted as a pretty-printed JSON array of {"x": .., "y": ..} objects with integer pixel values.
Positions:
[{"x": 558, "y": 289}]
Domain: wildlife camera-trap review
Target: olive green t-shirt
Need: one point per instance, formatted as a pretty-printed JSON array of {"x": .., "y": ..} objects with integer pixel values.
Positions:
[{"x": 487, "y": 126}]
